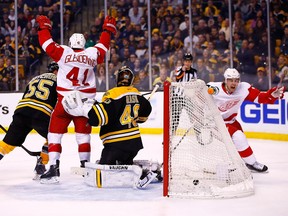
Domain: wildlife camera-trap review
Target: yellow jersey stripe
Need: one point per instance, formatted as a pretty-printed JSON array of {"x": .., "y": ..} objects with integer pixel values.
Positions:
[
  {"x": 119, "y": 132},
  {"x": 104, "y": 113},
  {"x": 122, "y": 139},
  {"x": 34, "y": 107},
  {"x": 37, "y": 102},
  {"x": 98, "y": 115}
]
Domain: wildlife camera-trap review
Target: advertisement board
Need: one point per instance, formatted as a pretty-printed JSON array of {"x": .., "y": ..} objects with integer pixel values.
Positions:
[{"x": 258, "y": 120}]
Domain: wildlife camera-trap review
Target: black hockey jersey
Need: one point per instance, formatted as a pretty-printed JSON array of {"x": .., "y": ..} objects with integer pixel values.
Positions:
[
  {"x": 119, "y": 113},
  {"x": 186, "y": 76},
  {"x": 40, "y": 97}
]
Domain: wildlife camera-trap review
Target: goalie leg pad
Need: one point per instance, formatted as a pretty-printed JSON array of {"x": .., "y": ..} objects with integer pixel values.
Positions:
[{"x": 112, "y": 176}]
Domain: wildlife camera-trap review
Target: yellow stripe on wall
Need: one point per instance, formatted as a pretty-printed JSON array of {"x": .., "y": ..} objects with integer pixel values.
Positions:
[{"x": 159, "y": 131}]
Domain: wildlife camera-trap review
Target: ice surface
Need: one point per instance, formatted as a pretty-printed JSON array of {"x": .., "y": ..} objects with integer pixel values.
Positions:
[{"x": 20, "y": 195}]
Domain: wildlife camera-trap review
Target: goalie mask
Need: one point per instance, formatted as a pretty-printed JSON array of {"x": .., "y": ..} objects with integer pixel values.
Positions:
[
  {"x": 231, "y": 73},
  {"x": 124, "y": 76},
  {"x": 77, "y": 41},
  {"x": 52, "y": 67}
]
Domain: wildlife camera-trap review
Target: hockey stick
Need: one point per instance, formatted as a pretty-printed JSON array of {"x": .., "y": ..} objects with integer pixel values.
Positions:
[
  {"x": 187, "y": 131},
  {"x": 23, "y": 147},
  {"x": 152, "y": 93}
]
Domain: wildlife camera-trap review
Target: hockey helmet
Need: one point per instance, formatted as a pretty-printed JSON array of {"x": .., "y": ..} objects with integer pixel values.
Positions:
[
  {"x": 124, "y": 76},
  {"x": 77, "y": 41},
  {"x": 52, "y": 67},
  {"x": 231, "y": 73},
  {"x": 188, "y": 56}
]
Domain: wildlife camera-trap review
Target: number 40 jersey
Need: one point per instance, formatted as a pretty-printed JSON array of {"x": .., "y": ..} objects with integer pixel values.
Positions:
[{"x": 119, "y": 113}]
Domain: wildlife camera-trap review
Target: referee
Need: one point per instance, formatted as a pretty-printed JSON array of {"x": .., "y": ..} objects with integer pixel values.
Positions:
[{"x": 186, "y": 72}]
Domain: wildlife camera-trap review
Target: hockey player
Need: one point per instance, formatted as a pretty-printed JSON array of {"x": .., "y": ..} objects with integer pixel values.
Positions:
[
  {"x": 76, "y": 72},
  {"x": 229, "y": 96},
  {"x": 33, "y": 112},
  {"x": 119, "y": 113}
]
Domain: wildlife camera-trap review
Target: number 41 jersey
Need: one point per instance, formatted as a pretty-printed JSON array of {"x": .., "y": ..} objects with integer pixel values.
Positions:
[{"x": 76, "y": 71}]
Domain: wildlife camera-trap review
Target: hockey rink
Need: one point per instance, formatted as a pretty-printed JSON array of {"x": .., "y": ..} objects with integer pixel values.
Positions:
[{"x": 20, "y": 195}]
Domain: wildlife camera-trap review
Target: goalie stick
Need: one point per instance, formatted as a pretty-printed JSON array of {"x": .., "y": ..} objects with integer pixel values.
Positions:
[
  {"x": 32, "y": 153},
  {"x": 152, "y": 92}
]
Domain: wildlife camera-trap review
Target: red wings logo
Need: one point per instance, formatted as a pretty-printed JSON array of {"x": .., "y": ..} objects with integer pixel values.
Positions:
[{"x": 228, "y": 105}]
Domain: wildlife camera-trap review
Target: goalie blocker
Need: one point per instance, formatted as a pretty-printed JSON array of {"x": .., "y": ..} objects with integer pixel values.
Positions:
[{"x": 117, "y": 176}]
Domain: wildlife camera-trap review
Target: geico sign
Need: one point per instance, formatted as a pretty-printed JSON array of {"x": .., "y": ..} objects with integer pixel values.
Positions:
[{"x": 264, "y": 113}]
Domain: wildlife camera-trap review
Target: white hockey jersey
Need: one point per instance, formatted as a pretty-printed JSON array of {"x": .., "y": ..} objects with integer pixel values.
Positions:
[
  {"x": 229, "y": 104},
  {"x": 76, "y": 67}
]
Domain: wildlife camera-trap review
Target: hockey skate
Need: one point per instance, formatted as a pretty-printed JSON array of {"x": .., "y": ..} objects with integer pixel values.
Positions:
[
  {"x": 82, "y": 163},
  {"x": 146, "y": 178},
  {"x": 257, "y": 167},
  {"x": 52, "y": 175},
  {"x": 39, "y": 169}
]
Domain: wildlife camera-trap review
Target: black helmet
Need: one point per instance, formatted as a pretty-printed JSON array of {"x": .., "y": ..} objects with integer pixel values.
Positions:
[
  {"x": 52, "y": 67},
  {"x": 188, "y": 56},
  {"x": 124, "y": 76}
]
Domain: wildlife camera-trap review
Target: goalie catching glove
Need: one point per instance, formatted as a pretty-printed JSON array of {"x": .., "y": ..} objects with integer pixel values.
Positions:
[
  {"x": 110, "y": 24},
  {"x": 44, "y": 22},
  {"x": 75, "y": 105}
]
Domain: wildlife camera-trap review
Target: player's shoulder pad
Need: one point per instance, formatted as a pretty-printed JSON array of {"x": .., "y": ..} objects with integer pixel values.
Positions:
[
  {"x": 119, "y": 92},
  {"x": 245, "y": 84},
  {"x": 50, "y": 76}
]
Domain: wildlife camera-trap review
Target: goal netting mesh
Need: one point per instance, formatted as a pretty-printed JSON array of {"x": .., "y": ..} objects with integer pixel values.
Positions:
[{"x": 200, "y": 159}]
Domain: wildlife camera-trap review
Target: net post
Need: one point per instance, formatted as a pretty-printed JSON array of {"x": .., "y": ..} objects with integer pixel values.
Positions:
[{"x": 166, "y": 135}]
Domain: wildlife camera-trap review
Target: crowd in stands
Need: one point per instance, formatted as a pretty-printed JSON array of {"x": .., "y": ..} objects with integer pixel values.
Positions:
[
  {"x": 29, "y": 49},
  {"x": 170, "y": 40}
]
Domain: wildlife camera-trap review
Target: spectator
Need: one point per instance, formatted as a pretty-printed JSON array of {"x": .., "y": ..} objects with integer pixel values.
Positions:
[
  {"x": 143, "y": 81},
  {"x": 210, "y": 10},
  {"x": 246, "y": 61},
  {"x": 141, "y": 48},
  {"x": 162, "y": 78},
  {"x": 226, "y": 29},
  {"x": 137, "y": 66},
  {"x": 284, "y": 41},
  {"x": 261, "y": 81},
  {"x": 135, "y": 15},
  {"x": 282, "y": 69},
  {"x": 4, "y": 86},
  {"x": 176, "y": 44},
  {"x": 202, "y": 72},
  {"x": 221, "y": 44},
  {"x": 27, "y": 51},
  {"x": 8, "y": 48},
  {"x": 101, "y": 78}
]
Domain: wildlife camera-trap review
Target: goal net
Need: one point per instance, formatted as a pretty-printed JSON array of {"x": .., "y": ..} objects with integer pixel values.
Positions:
[{"x": 200, "y": 159}]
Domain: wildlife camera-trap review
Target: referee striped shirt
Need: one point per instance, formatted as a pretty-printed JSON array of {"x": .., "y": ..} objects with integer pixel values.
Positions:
[{"x": 185, "y": 76}]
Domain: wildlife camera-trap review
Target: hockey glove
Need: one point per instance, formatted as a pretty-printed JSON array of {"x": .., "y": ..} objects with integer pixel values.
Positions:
[
  {"x": 44, "y": 22},
  {"x": 74, "y": 105},
  {"x": 276, "y": 92},
  {"x": 110, "y": 24},
  {"x": 279, "y": 92}
]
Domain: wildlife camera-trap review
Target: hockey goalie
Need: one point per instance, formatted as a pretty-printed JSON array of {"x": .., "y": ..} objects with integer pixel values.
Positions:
[{"x": 121, "y": 110}]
